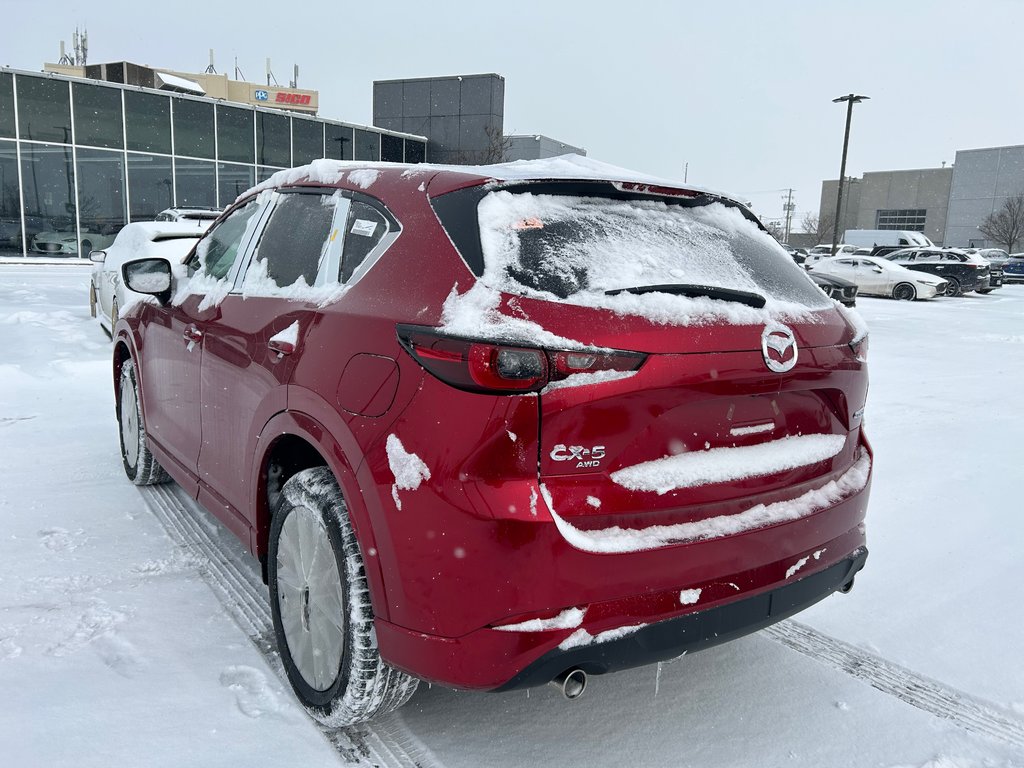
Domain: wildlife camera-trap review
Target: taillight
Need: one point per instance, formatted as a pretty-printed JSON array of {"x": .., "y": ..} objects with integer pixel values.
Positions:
[{"x": 483, "y": 366}]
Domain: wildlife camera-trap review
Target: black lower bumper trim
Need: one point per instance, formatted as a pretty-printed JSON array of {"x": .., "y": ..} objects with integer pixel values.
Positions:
[{"x": 692, "y": 632}]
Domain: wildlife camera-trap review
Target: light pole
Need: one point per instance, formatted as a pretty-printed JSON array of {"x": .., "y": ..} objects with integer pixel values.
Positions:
[{"x": 850, "y": 100}]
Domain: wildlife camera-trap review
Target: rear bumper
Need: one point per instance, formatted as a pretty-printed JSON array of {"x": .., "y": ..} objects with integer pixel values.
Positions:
[
  {"x": 693, "y": 632},
  {"x": 649, "y": 626}
]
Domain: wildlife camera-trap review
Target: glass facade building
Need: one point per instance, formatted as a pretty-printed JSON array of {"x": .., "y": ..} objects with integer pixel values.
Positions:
[{"x": 79, "y": 159}]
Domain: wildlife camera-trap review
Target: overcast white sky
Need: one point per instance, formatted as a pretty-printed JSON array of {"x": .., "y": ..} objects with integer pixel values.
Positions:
[{"x": 740, "y": 90}]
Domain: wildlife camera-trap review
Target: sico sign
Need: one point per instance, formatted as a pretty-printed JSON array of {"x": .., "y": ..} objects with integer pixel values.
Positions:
[{"x": 283, "y": 97}]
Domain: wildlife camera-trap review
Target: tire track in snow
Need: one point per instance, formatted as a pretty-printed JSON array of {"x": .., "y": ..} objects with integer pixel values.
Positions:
[
  {"x": 926, "y": 694},
  {"x": 234, "y": 576}
]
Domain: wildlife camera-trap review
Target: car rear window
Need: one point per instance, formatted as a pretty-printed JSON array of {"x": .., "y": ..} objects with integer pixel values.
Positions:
[{"x": 571, "y": 246}]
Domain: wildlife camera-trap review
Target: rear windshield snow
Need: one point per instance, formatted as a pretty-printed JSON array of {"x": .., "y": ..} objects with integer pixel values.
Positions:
[{"x": 578, "y": 248}]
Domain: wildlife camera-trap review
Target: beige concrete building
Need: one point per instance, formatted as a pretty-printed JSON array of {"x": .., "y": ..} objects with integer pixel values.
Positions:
[{"x": 209, "y": 84}]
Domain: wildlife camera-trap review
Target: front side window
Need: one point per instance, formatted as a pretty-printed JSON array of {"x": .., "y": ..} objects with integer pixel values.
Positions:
[{"x": 218, "y": 251}]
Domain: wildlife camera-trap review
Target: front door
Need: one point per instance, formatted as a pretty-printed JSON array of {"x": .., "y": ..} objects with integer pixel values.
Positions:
[{"x": 174, "y": 346}]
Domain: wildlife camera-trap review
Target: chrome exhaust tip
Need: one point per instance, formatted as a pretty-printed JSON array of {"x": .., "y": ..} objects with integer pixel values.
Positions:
[{"x": 572, "y": 683}]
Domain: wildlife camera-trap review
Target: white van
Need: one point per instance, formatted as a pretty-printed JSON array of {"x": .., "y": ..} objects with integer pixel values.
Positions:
[{"x": 868, "y": 238}]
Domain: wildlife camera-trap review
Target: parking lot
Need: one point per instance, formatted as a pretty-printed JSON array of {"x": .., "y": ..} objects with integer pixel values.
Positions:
[{"x": 117, "y": 646}]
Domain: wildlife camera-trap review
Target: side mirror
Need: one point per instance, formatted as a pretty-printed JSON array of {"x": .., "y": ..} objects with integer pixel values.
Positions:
[
  {"x": 877, "y": 270},
  {"x": 149, "y": 276},
  {"x": 97, "y": 256}
]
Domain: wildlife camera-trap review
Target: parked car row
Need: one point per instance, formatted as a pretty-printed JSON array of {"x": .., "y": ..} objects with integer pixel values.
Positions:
[
  {"x": 883, "y": 270},
  {"x": 880, "y": 277},
  {"x": 1013, "y": 269},
  {"x": 60, "y": 237}
]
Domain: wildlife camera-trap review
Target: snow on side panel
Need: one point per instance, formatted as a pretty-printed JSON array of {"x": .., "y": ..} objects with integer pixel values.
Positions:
[
  {"x": 408, "y": 468},
  {"x": 581, "y": 637},
  {"x": 475, "y": 314},
  {"x": 289, "y": 335},
  {"x": 258, "y": 283},
  {"x": 689, "y": 596},
  {"x": 567, "y": 619},
  {"x": 616, "y": 539},
  {"x": 586, "y": 379},
  {"x": 720, "y": 465}
]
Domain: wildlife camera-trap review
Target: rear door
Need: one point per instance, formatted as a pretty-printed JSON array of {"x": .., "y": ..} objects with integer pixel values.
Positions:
[{"x": 253, "y": 341}]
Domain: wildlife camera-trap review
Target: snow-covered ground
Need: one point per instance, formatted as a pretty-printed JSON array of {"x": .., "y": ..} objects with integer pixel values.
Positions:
[{"x": 114, "y": 649}]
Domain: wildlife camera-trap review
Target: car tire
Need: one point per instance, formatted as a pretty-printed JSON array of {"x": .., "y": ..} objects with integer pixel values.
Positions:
[
  {"x": 904, "y": 292},
  {"x": 343, "y": 681},
  {"x": 140, "y": 465},
  {"x": 953, "y": 286},
  {"x": 92, "y": 299},
  {"x": 985, "y": 291}
]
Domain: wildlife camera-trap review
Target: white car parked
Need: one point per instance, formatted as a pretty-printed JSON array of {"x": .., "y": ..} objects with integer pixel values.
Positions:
[
  {"x": 169, "y": 240},
  {"x": 819, "y": 252},
  {"x": 188, "y": 214},
  {"x": 879, "y": 277}
]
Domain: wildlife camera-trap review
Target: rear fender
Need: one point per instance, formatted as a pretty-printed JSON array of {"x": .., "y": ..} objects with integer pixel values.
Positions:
[{"x": 336, "y": 456}]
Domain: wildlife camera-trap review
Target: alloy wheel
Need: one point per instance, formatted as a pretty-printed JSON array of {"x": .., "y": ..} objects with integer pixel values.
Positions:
[{"x": 310, "y": 598}]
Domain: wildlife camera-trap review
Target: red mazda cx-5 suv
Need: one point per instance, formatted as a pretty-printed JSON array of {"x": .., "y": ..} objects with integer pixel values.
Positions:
[{"x": 496, "y": 427}]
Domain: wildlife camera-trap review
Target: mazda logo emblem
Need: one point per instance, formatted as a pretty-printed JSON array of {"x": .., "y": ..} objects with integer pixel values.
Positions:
[{"x": 779, "y": 348}]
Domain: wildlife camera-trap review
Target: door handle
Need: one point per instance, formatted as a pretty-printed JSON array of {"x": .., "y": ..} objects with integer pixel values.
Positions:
[{"x": 192, "y": 335}]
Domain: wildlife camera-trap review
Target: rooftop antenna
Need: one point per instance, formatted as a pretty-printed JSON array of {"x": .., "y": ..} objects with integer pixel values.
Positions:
[
  {"x": 295, "y": 77},
  {"x": 81, "y": 46},
  {"x": 238, "y": 73},
  {"x": 65, "y": 60},
  {"x": 211, "y": 70},
  {"x": 270, "y": 75}
]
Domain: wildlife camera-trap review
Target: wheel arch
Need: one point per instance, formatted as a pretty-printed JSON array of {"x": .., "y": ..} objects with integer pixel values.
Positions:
[
  {"x": 123, "y": 352},
  {"x": 289, "y": 443}
]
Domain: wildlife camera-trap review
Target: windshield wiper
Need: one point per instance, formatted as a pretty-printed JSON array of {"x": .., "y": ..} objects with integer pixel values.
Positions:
[{"x": 755, "y": 300}]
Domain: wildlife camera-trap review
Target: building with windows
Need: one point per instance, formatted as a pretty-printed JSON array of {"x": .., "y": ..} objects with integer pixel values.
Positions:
[
  {"x": 915, "y": 200},
  {"x": 80, "y": 158},
  {"x": 946, "y": 204},
  {"x": 983, "y": 179},
  {"x": 536, "y": 147},
  {"x": 462, "y": 117}
]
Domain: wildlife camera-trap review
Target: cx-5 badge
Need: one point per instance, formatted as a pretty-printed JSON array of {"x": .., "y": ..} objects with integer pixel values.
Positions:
[{"x": 778, "y": 347}]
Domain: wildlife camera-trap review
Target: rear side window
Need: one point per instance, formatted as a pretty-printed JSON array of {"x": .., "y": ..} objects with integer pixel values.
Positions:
[
  {"x": 365, "y": 228},
  {"x": 579, "y": 248},
  {"x": 297, "y": 238}
]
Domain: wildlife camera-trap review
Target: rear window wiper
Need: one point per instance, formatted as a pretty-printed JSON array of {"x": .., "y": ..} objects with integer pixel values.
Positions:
[{"x": 755, "y": 300}]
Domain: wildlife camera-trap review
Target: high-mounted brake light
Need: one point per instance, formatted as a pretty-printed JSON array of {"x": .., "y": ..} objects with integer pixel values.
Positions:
[{"x": 483, "y": 366}]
